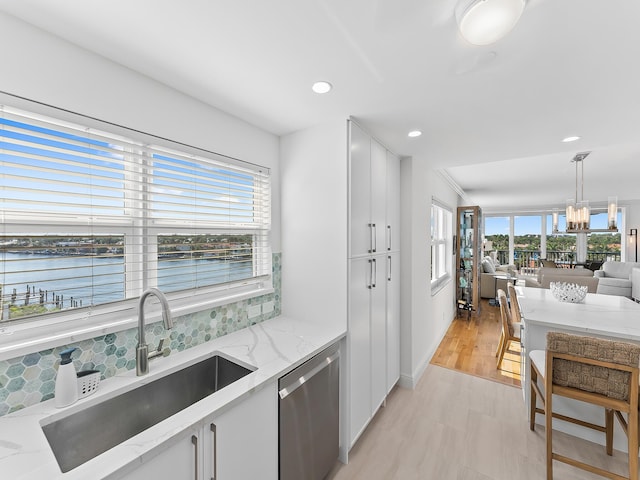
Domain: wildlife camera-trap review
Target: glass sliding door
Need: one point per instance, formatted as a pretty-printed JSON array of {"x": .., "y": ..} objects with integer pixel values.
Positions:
[
  {"x": 561, "y": 247},
  {"x": 527, "y": 240},
  {"x": 496, "y": 231},
  {"x": 603, "y": 246}
]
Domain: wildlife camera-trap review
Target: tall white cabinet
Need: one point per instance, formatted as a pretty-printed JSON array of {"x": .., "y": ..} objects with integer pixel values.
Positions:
[
  {"x": 374, "y": 309},
  {"x": 340, "y": 256}
]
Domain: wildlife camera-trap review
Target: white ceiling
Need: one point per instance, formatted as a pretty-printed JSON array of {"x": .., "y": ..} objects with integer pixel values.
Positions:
[{"x": 493, "y": 116}]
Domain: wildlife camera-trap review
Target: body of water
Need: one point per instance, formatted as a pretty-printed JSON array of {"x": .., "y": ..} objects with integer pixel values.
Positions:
[{"x": 95, "y": 280}]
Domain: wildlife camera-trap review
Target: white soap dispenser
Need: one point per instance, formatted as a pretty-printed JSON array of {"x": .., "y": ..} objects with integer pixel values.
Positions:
[{"x": 66, "y": 380}]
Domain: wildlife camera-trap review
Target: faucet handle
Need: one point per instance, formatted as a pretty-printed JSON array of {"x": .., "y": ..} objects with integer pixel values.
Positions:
[{"x": 158, "y": 351}]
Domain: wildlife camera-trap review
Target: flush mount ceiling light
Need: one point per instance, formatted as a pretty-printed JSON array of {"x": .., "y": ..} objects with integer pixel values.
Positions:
[
  {"x": 570, "y": 139},
  {"x": 414, "y": 133},
  {"x": 578, "y": 212},
  {"x": 483, "y": 22},
  {"x": 321, "y": 87}
]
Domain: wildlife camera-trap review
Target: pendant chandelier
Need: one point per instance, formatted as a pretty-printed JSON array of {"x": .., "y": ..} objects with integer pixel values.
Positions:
[{"x": 578, "y": 212}]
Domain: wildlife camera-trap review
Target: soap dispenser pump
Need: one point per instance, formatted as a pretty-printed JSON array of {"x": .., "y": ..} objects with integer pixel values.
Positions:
[{"x": 66, "y": 380}]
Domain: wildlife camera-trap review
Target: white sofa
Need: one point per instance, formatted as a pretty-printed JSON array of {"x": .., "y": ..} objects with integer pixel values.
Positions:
[
  {"x": 635, "y": 284},
  {"x": 614, "y": 278},
  {"x": 580, "y": 276},
  {"x": 488, "y": 282}
]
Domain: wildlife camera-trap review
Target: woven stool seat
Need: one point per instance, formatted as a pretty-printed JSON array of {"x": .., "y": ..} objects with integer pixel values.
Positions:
[{"x": 593, "y": 370}]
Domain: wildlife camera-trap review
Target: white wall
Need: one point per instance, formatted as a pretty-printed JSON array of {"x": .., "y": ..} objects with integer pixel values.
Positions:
[
  {"x": 314, "y": 220},
  {"x": 45, "y": 68},
  {"x": 424, "y": 318}
]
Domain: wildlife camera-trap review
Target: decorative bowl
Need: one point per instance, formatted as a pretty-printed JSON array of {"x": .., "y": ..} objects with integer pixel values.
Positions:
[{"x": 568, "y": 292}]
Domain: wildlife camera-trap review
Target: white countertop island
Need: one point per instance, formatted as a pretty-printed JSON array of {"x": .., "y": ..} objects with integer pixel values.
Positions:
[
  {"x": 602, "y": 315},
  {"x": 606, "y": 316},
  {"x": 272, "y": 347}
]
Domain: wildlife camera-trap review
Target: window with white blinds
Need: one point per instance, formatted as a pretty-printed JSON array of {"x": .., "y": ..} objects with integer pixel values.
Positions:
[
  {"x": 90, "y": 218},
  {"x": 441, "y": 245}
]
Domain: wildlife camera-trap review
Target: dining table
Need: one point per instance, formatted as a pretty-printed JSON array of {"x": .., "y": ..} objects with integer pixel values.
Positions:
[{"x": 605, "y": 316}]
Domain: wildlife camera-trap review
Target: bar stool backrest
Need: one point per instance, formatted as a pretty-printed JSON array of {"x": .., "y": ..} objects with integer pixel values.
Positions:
[
  {"x": 591, "y": 376},
  {"x": 513, "y": 304}
]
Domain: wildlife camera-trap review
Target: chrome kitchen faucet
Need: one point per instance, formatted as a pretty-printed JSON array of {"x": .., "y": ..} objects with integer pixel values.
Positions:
[{"x": 142, "y": 350}]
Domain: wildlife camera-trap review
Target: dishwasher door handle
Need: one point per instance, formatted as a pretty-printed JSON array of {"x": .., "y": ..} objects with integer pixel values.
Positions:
[{"x": 293, "y": 386}]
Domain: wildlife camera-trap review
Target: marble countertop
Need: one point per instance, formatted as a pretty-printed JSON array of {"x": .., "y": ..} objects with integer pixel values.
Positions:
[
  {"x": 272, "y": 347},
  {"x": 603, "y": 315}
]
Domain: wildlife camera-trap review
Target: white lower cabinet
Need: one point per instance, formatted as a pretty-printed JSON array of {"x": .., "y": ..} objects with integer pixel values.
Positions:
[
  {"x": 245, "y": 442},
  {"x": 367, "y": 340},
  {"x": 359, "y": 346},
  {"x": 179, "y": 462},
  {"x": 374, "y": 336},
  {"x": 239, "y": 443},
  {"x": 393, "y": 319}
]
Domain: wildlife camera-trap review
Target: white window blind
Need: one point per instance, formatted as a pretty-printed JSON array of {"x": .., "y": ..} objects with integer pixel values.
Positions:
[
  {"x": 441, "y": 245},
  {"x": 90, "y": 218}
]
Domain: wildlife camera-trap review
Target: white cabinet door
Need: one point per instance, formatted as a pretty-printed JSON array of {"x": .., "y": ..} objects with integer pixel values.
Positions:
[
  {"x": 378, "y": 362},
  {"x": 243, "y": 442},
  {"x": 179, "y": 462},
  {"x": 374, "y": 226},
  {"x": 360, "y": 282},
  {"x": 378, "y": 196},
  {"x": 360, "y": 192},
  {"x": 393, "y": 319},
  {"x": 393, "y": 203},
  {"x": 367, "y": 340},
  {"x": 237, "y": 444}
]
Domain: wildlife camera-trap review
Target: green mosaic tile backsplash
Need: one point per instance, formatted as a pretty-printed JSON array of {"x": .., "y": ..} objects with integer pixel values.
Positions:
[{"x": 31, "y": 379}]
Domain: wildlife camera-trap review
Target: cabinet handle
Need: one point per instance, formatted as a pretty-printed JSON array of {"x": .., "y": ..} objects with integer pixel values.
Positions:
[
  {"x": 389, "y": 235},
  {"x": 374, "y": 274},
  {"x": 389, "y": 270},
  {"x": 214, "y": 466},
  {"x": 194, "y": 441},
  {"x": 370, "y": 282},
  {"x": 373, "y": 242},
  {"x": 375, "y": 239}
]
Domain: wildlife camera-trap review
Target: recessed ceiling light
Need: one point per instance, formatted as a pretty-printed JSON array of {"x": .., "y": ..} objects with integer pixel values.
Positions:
[
  {"x": 414, "y": 133},
  {"x": 570, "y": 139},
  {"x": 321, "y": 87}
]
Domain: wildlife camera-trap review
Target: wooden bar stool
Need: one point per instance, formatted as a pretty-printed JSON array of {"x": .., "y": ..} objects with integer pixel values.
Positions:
[
  {"x": 510, "y": 330},
  {"x": 593, "y": 370},
  {"x": 514, "y": 304}
]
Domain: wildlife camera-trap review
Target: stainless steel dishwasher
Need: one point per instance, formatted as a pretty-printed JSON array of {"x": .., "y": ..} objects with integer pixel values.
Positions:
[{"x": 309, "y": 417}]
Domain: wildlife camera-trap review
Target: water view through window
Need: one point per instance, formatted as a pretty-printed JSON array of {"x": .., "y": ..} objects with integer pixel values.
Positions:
[
  {"x": 92, "y": 218},
  {"x": 528, "y": 247},
  {"x": 49, "y": 273}
]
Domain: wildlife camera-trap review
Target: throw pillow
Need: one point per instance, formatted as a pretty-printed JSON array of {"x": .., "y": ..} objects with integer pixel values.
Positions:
[{"x": 487, "y": 266}]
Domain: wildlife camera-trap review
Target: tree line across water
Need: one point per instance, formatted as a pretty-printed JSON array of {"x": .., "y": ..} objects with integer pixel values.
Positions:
[{"x": 601, "y": 242}]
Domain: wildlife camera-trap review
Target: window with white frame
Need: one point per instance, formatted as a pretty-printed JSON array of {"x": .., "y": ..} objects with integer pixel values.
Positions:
[
  {"x": 90, "y": 219},
  {"x": 441, "y": 245}
]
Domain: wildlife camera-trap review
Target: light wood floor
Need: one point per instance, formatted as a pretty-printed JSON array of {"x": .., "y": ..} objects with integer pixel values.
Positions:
[
  {"x": 456, "y": 425},
  {"x": 470, "y": 346}
]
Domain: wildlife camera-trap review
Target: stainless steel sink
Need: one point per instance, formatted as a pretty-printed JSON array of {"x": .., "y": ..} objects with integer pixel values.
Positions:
[{"x": 87, "y": 433}]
